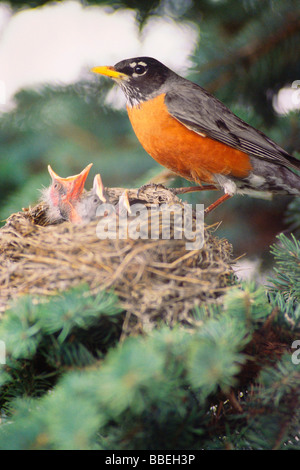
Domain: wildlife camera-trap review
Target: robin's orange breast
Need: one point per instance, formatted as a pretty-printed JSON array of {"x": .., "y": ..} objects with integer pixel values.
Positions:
[{"x": 191, "y": 155}]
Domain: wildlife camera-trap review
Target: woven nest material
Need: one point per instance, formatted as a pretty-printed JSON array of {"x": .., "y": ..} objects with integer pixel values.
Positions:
[{"x": 156, "y": 280}]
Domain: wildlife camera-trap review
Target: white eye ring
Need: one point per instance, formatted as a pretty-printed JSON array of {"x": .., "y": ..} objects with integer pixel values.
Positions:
[{"x": 139, "y": 70}]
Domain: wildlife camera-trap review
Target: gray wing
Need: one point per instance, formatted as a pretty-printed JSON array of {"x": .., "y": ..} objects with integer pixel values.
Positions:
[{"x": 207, "y": 115}]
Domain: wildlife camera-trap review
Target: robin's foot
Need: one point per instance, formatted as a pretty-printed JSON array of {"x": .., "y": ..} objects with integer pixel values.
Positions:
[{"x": 144, "y": 187}]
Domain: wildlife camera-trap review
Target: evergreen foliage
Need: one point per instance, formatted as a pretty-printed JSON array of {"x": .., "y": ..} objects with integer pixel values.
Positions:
[
  {"x": 43, "y": 336},
  {"x": 286, "y": 285}
]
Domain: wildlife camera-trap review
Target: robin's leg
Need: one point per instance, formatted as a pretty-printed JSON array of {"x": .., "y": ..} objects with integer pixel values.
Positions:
[
  {"x": 191, "y": 189},
  {"x": 176, "y": 191},
  {"x": 165, "y": 176},
  {"x": 217, "y": 203}
]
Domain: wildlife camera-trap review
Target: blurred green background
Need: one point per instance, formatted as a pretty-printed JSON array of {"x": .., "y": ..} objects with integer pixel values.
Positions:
[{"x": 53, "y": 111}]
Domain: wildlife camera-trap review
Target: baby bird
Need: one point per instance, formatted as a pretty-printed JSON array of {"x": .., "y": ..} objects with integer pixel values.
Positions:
[
  {"x": 63, "y": 194},
  {"x": 85, "y": 208}
]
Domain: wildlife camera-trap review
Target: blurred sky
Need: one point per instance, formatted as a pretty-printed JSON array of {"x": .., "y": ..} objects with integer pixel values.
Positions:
[{"x": 60, "y": 42}]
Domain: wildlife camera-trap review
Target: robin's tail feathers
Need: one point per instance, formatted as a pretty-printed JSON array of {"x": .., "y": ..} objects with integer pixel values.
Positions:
[
  {"x": 290, "y": 180},
  {"x": 283, "y": 181},
  {"x": 275, "y": 179}
]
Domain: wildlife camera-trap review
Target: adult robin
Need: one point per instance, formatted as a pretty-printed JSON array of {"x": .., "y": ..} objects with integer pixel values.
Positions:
[
  {"x": 63, "y": 194},
  {"x": 189, "y": 131}
]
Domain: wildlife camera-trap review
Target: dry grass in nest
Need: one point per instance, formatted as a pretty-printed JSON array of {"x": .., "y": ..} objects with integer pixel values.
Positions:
[{"x": 156, "y": 280}]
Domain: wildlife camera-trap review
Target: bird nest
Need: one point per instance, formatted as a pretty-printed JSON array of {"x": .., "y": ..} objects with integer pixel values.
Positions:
[{"x": 157, "y": 280}]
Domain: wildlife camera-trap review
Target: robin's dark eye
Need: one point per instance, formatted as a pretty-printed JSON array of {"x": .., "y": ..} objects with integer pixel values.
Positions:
[{"x": 140, "y": 69}]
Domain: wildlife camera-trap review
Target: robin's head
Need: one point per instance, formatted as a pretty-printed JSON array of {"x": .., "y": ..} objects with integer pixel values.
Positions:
[{"x": 140, "y": 78}]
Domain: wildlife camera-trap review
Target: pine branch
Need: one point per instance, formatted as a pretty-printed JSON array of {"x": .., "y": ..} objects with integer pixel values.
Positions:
[
  {"x": 285, "y": 288},
  {"x": 45, "y": 336},
  {"x": 252, "y": 52}
]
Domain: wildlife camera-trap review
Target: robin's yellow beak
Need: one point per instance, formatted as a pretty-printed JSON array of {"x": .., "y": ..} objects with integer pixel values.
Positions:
[{"x": 110, "y": 72}]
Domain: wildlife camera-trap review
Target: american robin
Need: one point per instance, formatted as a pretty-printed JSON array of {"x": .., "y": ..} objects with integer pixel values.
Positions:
[
  {"x": 63, "y": 194},
  {"x": 67, "y": 200},
  {"x": 192, "y": 133},
  {"x": 85, "y": 208}
]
